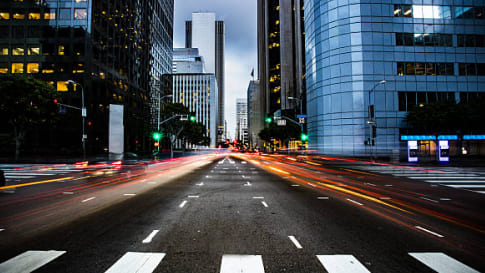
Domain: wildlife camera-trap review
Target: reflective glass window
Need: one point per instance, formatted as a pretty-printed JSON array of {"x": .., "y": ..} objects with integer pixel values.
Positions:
[
  {"x": 64, "y": 14},
  {"x": 62, "y": 86},
  {"x": 430, "y": 69},
  {"x": 33, "y": 50},
  {"x": 18, "y": 16},
  {"x": 50, "y": 15},
  {"x": 17, "y": 51},
  {"x": 402, "y": 101},
  {"x": 48, "y": 68},
  {"x": 80, "y": 14},
  {"x": 4, "y": 15},
  {"x": 34, "y": 16},
  {"x": 410, "y": 69},
  {"x": 3, "y": 68},
  {"x": 3, "y": 50},
  {"x": 420, "y": 68},
  {"x": 400, "y": 69}
]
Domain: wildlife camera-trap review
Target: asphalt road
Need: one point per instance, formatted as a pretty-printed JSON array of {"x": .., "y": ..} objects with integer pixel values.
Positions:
[{"x": 251, "y": 214}]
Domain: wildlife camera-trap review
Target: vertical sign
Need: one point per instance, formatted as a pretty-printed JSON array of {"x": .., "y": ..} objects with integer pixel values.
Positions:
[
  {"x": 412, "y": 151},
  {"x": 116, "y": 130},
  {"x": 444, "y": 151}
]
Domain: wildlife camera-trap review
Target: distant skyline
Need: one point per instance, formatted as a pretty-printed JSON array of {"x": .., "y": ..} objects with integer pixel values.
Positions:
[{"x": 241, "y": 46}]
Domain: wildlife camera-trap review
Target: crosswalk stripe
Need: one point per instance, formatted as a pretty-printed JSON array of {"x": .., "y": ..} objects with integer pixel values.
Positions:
[
  {"x": 341, "y": 264},
  {"x": 29, "y": 261},
  {"x": 242, "y": 264},
  {"x": 442, "y": 263},
  {"x": 140, "y": 262}
]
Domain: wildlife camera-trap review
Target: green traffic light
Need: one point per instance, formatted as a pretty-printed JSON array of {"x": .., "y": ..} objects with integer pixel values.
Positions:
[
  {"x": 304, "y": 137},
  {"x": 268, "y": 120},
  {"x": 156, "y": 136},
  {"x": 192, "y": 118}
]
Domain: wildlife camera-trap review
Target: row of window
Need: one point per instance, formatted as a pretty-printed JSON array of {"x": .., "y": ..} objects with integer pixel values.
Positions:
[
  {"x": 34, "y": 68},
  {"x": 437, "y": 39},
  {"x": 52, "y": 14},
  {"x": 432, "y": 69},
  {"x": 438, "y": 12},
  {"x": 408, "y": 100},
  {"x": 47, "y": 50}
]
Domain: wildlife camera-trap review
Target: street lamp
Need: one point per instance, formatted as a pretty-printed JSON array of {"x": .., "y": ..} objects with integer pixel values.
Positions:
[
  {"x": 83, "y": 114},
  {"x": 303, "y": 137},
  {"x": 159, "y": 106},
  {"x": 371, "y": 119}
]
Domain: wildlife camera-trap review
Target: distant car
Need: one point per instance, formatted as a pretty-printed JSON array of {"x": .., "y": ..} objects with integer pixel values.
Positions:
[{"x": 124, "y": 159}]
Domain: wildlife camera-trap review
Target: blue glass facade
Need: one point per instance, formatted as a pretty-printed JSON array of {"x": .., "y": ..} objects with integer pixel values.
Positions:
[{"x": 419, "y": 48}]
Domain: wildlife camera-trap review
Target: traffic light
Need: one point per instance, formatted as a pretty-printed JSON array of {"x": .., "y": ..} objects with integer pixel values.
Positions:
[
  {"x": 304, "y": 137},
  {"x": 55, "y": 101},
  {"x": 268, "y": 120},
  {"x": 156, "y": 136},
  {"x": 193, "y": 118}
]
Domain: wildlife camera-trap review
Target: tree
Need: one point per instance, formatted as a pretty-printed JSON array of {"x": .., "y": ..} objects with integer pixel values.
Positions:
[
  {"x": 195, "y": 133},
  {"x": 25, "y": 102}
]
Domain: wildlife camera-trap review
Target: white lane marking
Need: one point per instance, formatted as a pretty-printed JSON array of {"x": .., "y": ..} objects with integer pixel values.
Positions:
[
  {"x": 140, "y": 262},
  {"x": 295, "y": 242},
  {"x": 388, "y": 185},
  {"x": 313, "y": 184},
  {"x": 264, "y": 203},
  {"x": 258, "y": 197},
  {"x": 430, "y": 232},
  {"x": 29, "y": 261},
  {"x": 442, "y": 263},
  {"x": 427, "y": 199},
  {"x": 247, "y": 184},
  {"x": 341, "y": 264},
  {"x": 295, "y": 185},
  {"x": 385, "y": 198},
  {"x": 465, "y": 186},
  {"x": 370, "y": 184},
  {"x": 152, "y": 182},
  {"x": 445, "y": 182},
  {"x": 183, "y": 204},
  {"x": 445, "y": 199},
  {"x": 89, "y": 199},
  {"x": 208, "y": 176},
  {"x": 68, "y": 192},
  {"x": 355, "y": 202},
  {"x": 242, "y": 264},
  {"x": 244, "y": 162},
  {"x": 193, "y": 196},
  {"x": 18, "y": 177},
  {"x": 322, "y": 198},
  {"x": 129, "y": 194},
  {"x": 446, "y": 177},
  {"x": 150, "y": 237},
  {"x": 2, "y": 229},
  {"x": 200, "y": 184}
]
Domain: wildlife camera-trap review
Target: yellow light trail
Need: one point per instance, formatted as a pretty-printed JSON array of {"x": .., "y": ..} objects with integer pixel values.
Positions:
[
  {"x": 278, "y": 170},
  {"x": 35, "y": 183},
  {"x": 354, "y": 171}
]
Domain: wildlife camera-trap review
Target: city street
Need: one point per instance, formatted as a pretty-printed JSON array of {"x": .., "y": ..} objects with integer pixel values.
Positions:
[{"x": 246, "y": 213}]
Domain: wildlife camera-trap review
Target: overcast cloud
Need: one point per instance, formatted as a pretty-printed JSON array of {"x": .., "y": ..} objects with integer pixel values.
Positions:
[{"x": 241, "y": 44}]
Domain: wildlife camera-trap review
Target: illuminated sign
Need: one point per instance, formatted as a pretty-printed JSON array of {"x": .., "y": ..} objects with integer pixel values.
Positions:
[
  {"x": 444, "y": 151},
  {"x": 412, "y": 151},
  {"x": 473, "y": 137},
  {"x": 418, "y": 137}
]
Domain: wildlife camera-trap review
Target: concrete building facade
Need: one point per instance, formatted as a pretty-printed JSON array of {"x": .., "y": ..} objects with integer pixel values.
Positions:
[{"x": 242, "y": 121}]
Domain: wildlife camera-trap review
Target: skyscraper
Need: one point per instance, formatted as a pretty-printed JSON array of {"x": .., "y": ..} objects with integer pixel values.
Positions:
[
  {"x": 391, "y": 55},
  {"x": 242, "y": 120},
  {"x": 255, "y": 114},
  {"x": 208, "y": 35},
  {"x": 116, "y": 50},
  {"x": 281, "y": 60}
]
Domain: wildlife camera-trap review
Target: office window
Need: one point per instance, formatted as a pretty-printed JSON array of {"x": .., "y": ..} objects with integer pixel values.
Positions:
[
  {"x": 419, "y": 68},
  {"x": 424, "y": 39},
  {"x": 64, "y": 14},
  {"x": 80, "y": 14},
  {"x": 34, "y": 16},
  {"x": 33, "y": 51},
  {"x": 431, "y": 69},
  {"x": 3, "y": 68},
  {"x": 60, "y": 50},
  {"x": 3, "y": 50},
  {"x": 78, "y": 68},
  {"x": 17, "y": 51},
  {"x": 48, "y": 68},
  {"x": 18, "y": 32},
  {"x": 17, "y": 68},
  {"x": 50, "y": 15},
  {"x": 425, "y": 69},
  {"x": 468, "y": 40},
  {"x": 471, "y": 69},
  {"x": 32, "y": 68},
  {"x": 4, "y": 15},
  {"x": 18, "y": 16},
  {"x": 62, "y": 86},
  {"x": 464, "y": 12}
]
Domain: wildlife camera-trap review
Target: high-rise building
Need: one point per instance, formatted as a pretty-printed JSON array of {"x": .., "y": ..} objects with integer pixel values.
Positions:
[
  {"x": 390, "y": 55},
  {"x": 281, "y": 59},
  {"x": 255, "y": 114},
  {"x": 242, "y": 120},
  {"x": 116, "y": 50},
  {"x": 195, "y": 89},
  {"x": 208, "y": 35}
]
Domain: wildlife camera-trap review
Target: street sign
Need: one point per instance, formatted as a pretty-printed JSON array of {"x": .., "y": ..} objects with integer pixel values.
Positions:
[
  {"x": 184, "y": 117},
  {"x": 277, "y": 113},
  {"x": 281, "y": 122},
  {"x": 83, "y": 114},
  {"x": 301, "y": 116},
  {"x": 301, "y": 120}
]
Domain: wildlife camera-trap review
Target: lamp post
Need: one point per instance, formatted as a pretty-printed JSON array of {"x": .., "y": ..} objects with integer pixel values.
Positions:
[
  {"x": 301, "y": 113},
  {"x": 83, "y": 115},
  {"x": 371, "y": 119},
  {"x": 160, "y": 99}
]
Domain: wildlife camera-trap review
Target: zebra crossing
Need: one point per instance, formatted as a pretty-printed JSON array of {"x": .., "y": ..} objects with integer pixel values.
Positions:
[
  {"x": 147, "y": 262},
  {"x": 460, "y": 178}
]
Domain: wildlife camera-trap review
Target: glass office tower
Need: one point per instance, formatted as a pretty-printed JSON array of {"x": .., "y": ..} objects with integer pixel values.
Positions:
[
  {"x": 116, "y": 50},
  {"x": 391, "y": 54}
]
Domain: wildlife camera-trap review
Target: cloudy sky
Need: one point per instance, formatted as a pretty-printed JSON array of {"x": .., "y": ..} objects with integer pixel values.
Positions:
[{"x": 241, "y": 44}]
